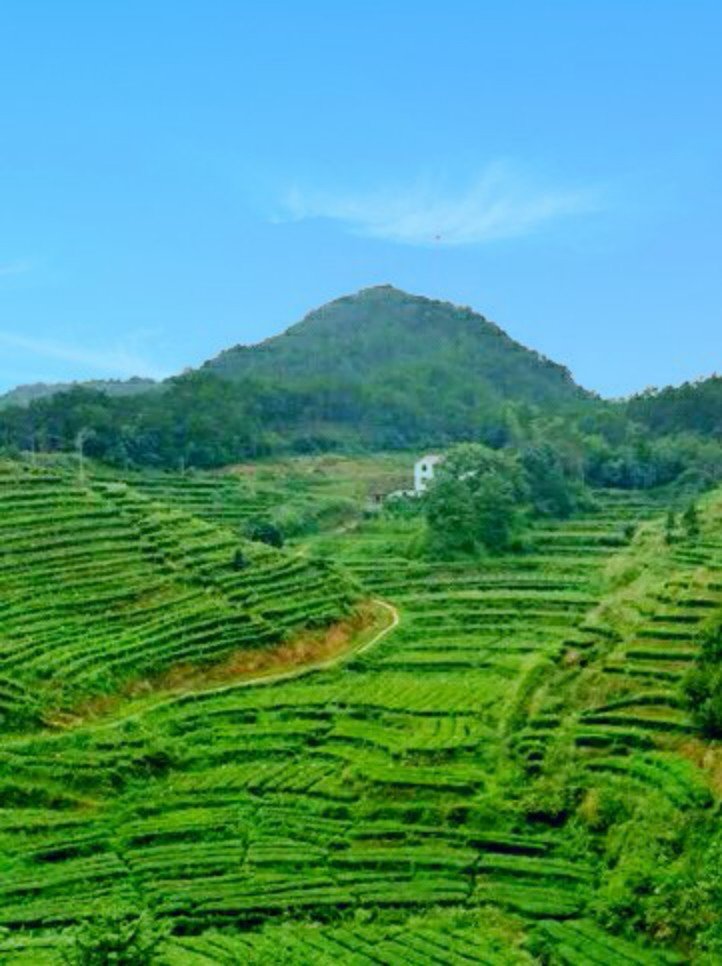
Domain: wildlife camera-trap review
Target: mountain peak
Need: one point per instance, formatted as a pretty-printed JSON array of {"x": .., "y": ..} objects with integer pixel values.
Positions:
[
  {"x": 410, "y": 350},
  {"x": 384, "y": 298},
  {"x": 385, "y": 289}
]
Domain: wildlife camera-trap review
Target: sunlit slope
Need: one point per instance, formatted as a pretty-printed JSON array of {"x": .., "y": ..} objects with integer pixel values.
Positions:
[
  {"x": 100, "y": 585},
  {"x": 380, "y": 786},
  {"x": 432, "y": 801}
]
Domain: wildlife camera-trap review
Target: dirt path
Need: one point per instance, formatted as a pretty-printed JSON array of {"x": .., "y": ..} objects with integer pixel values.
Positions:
[{"x": 262, "y": 679}]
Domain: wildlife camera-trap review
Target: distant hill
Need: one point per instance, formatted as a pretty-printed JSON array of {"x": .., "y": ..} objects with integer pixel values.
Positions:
[
  {"x": 24, "y": 395},
  {"x": 695, "y": 407}
]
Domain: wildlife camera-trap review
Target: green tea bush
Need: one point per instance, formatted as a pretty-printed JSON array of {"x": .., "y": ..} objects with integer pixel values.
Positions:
[{"x": 108, "y": 940}]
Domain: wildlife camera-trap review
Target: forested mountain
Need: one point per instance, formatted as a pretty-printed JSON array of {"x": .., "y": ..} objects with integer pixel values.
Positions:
[
  {"x": 377, "y": 370},
  {"x": 400, "y": 348}
]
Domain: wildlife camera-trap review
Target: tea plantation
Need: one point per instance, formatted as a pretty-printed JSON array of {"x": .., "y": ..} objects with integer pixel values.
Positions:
[
  {"x": 479, "y": 786},
  {"x": 102, "y": 586}
]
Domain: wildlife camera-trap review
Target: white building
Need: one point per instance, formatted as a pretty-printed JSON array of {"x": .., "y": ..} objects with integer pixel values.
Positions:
[
  {"x": 424, "y": 472},
  {"x": 423, "y": 475}
]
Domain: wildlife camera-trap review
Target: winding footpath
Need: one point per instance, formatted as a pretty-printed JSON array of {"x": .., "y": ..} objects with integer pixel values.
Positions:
[{"x": 273, "y": 677}]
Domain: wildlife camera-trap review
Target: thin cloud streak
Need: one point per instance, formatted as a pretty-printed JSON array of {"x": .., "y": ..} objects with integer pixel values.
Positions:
[
  {"x": 116, "y": 362},
  {"x": 499, "y": 204}
]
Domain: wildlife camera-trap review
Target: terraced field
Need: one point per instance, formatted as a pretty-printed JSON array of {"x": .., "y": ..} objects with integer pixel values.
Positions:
[
  {"x": 632, "y": 723},
  {"x": 302, "y": 494},
  {"x": 386, "y": 811},
  {"x": 102, "y": 586}
]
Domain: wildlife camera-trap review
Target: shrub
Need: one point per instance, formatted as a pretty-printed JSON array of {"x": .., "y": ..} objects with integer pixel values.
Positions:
[
  {"x": 690, "y": 521},
  {"x": 126, "y": 942},
  {"x": 703, "y": 684},
  {"x": 240, "y": 560},
  {"x": 263, "y": 531}
]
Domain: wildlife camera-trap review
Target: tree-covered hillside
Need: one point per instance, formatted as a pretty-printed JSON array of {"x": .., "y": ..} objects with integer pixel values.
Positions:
[
  {"x": 380, "y": 369},
  {"x": 695, "y": 407},
  {"x": 383, "y": 346}
]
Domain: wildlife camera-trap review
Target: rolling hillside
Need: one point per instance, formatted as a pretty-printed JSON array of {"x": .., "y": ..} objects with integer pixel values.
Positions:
[
  {"x": 24, "y": 395},
  {"x": 459, "y": 793}
]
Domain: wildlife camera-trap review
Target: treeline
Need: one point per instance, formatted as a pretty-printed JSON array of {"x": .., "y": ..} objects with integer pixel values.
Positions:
[
  {"x": 202, "y": 420},
  {"x": 695, "y": 407}
]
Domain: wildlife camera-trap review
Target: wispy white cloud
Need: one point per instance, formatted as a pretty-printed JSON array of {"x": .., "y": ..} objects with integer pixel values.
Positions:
[
  {"x": 500, "y": 203},
  {"x": 116, "y": 361},
  {"x": 17, "y": 267}
]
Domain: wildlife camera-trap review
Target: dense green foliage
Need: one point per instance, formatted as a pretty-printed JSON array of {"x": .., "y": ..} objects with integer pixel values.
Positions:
[
  {"x": 400, "y": 369},
  {"x": 263, "y": 531},
  {"x": 695, "y": 407},
  {"x": 361, "y": 372},
  {"x": 474, "y": 501},
  {"x": 481, "y": 498},
  {"x": 115, "y": 940}
]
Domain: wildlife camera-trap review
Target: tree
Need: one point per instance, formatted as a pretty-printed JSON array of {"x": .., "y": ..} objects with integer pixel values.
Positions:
[
  {"x": 670, "y": 527},
  {"x": 240, "y": 560},
  {"x": 263, "y": 531},
  {"x": 690, "y": 521},
  {"x": 450, "y": 518},
  {"x": 497, "y": 516},
  {"x": 475, "y": 502},
  {"x": 549, "y": 489}
]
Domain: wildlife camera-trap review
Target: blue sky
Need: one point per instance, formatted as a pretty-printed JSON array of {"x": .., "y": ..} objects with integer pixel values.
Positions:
[{"x": 177, "y": 177}]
